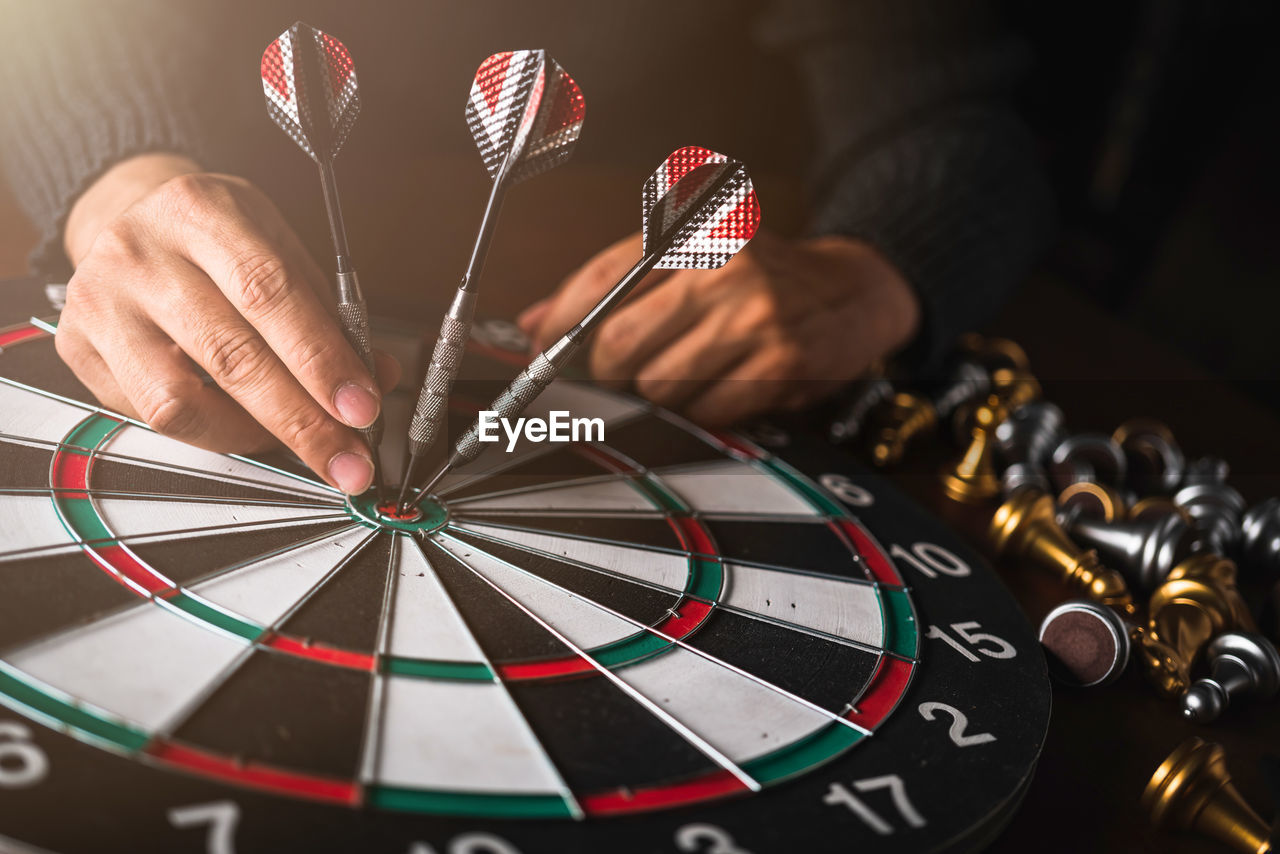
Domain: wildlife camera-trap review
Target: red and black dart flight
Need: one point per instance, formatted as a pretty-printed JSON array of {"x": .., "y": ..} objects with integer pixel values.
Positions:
[
  {"x": 310, "y": 85},
  {"x": 525, "y": 114},
  {"x": 699, "y": 210}
]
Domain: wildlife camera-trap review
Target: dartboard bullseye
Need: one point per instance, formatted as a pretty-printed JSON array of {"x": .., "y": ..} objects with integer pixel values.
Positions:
[{"x": 660, "y": 641}]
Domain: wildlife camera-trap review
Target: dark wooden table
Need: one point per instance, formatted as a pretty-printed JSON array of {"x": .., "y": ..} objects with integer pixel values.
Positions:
[{"x": 411, "y": 232}]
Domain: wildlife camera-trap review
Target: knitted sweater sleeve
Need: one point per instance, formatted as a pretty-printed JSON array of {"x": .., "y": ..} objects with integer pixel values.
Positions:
[
  {"x": 918, "y": 149},
  {"x": 80, "y": 91}
]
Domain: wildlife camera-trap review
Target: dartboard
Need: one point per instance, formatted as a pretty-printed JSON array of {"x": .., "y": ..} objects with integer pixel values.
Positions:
[{"x": 660, "y": 640}]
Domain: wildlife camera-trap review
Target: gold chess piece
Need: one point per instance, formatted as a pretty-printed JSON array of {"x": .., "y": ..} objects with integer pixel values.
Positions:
[
  {"x": 909, "y": 416},
  {"x": 1092, "y": 500},
  {"x": 1197, "y": 601},
  {"x": 1014, "y": 387},
  {"x": 1023, "y": 530},
  {"x": 993, "y": 353},
  {"x": 1191, "y": 790},
  {"x": 973, "y": 477}
]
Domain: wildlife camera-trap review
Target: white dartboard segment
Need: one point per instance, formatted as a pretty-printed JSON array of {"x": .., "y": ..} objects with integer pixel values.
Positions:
[
  {"x": 660, "y": 569},
  {"x": 740, "y": 717},
  {"x": 30, "y": 415},
  {"x": 585, "y": 624},
  {"x": 733, "y": 486},
  {"x": 425, "y": 624},
  {"x": 829, "y": 605},
  {"x": 264, "y": 591},
  {"x": 459, "y": 736},
  {"x": 588, "y": 496},
  {"x": 29, "y": 522},
  {"x": 147, "y": 447},
  {"x": 144, "y": 664},
  {"x": 130, "y": 517}
]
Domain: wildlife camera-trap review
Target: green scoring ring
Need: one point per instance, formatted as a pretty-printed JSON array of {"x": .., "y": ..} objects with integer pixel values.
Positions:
[{"x": 364, "y": 509}]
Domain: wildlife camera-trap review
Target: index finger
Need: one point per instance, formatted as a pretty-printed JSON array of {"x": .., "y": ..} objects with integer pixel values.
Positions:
[{"x": 274, "y": 285}]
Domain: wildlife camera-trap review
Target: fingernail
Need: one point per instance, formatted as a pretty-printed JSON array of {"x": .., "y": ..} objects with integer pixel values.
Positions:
[
  {"x": 351, "y": 472},
  {"x": 357, "y": 406}
]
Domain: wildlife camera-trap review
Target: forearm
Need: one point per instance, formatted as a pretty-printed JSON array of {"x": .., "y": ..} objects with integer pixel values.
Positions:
[
  {"x": 917, "y": 150},
  {"x": 83, "y": 87}
]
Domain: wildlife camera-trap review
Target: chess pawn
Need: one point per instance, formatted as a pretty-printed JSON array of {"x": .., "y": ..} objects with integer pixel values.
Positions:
[
  {"x": 1241, "y": 664},
  {"x": 1191, "y": 790},
  {"x": 1155, "y": 462},
  {"x": 1144, "y": 551},
  {"x": 1023, "y": 442},
  {"x": 1216, "y": 510},
  {"x": 966, "y": 382},
  {"x": 973, "y": 478},
  {"x": 1023, "y": 531},
  {"x": 1014, "y": 387},
  {"x": 1196, "y": 602},
  {"x": 910, "y": 415},
  {"x": 1087, "y": 457},
  {"x": 1030, "y": 433},
  {"x": 1260, "y": 537},
  {"x": 853, "y": 416}
]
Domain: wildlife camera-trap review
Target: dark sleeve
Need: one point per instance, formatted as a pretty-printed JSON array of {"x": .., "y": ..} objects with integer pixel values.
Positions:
[
  {"x": 84, "y": 85},
  {"x": 918, "y": 149}
]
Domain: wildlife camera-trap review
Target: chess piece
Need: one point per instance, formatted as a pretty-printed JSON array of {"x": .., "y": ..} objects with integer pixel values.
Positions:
[
  {"x": 1155, "y": 506},
  {"x": 1144, "y": 551},
  {"x": 1023, "y": 531},
  {"x": 1090, "y": 500},
  {"x": 993, "y": 353},
  {"x": 909, "y": 416},
  {"x": 1087, "y": 456},
  {"x": 1023, "y": 476},
  {"x": 1155, "y": 462},
  {"x": 1241, "y": 664},
  {"x": 973, "y": 478},
  {"x": 853, "y": 416},
  {"x": 967, "y": 381},
  {"x": 1216, "y": 510},
  {"x": 1191, "y": 790},
  {"x": 1014, "y": 388},
  {"x": 1023, "y": 443},
  {"x": 1260, "y": 537},
  {"x": 1087, "y": 644},
  {"x": 1029, "y": 434},
  {"x": 1197, "y": 601}
]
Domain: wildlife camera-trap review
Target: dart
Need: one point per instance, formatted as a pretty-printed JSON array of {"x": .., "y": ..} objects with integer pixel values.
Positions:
[
  {"x": 300, "y": 62},
  {"x": 699, "y": 209},
  {"x": 525, "y": 114}
]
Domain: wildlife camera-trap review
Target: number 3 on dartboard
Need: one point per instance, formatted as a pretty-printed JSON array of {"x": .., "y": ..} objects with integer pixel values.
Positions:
[{"x": 22, "y": 764}]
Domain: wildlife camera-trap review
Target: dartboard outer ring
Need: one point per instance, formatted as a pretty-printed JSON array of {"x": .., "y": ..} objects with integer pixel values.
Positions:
[{"x": 883, "y": 782}]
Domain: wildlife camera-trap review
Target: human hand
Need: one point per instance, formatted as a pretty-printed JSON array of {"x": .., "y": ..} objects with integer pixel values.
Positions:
[
  {"x": 179, "y": 270},
  {"x": 783, "y": 324}
]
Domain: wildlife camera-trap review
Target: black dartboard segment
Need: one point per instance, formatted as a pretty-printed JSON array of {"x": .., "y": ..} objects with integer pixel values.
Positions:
[{"x": 667, "y": 641}]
